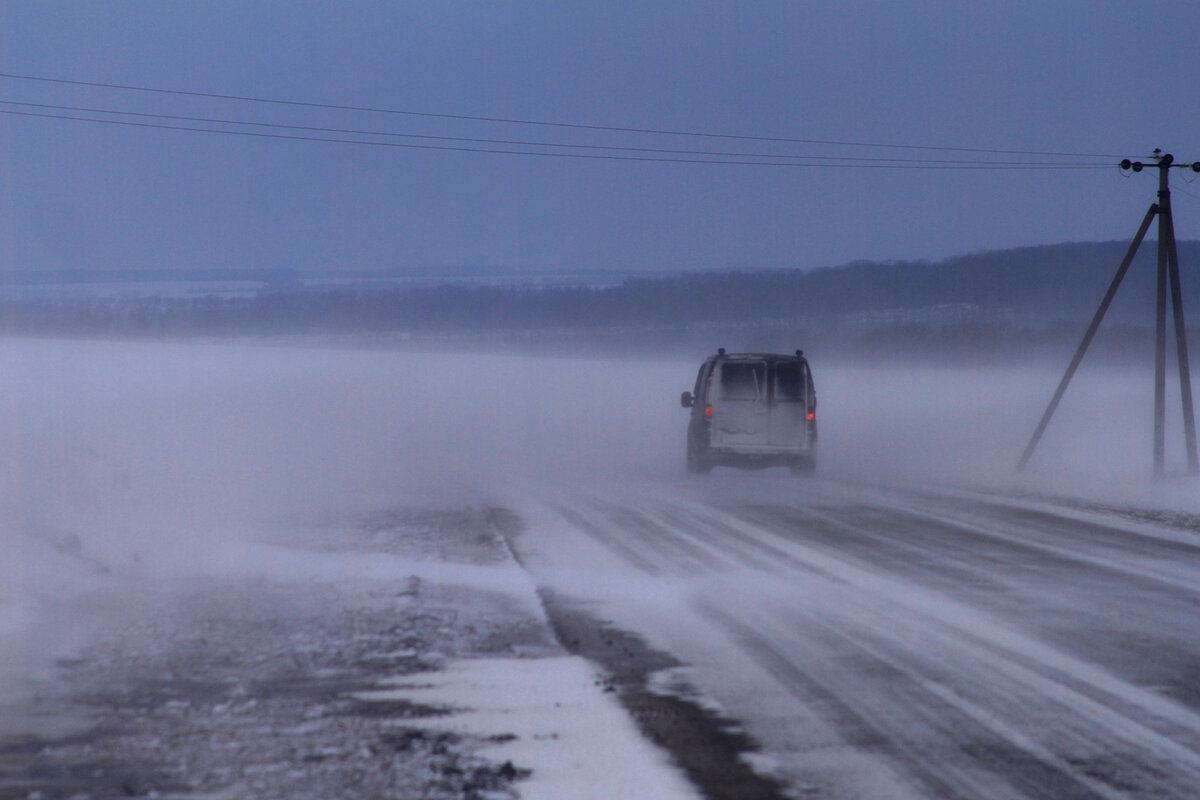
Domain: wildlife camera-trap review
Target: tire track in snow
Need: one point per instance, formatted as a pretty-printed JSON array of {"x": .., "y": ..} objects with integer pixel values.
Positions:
[
  {"x": 921, "y": 730},
  {"x": 1128, "y": 713},
  {"x": 747, "y": 551},
  {"x": 1129, "y": 552},
  {"x": 1127, "y": 528},
  {"x": 1055, "y": 715},
  {"x": 913, "y": 631},
  {"x": 609, "y": 540},
  {"x": 669, "y": 543},
  {"x": 1129, "y": 618},
  {"x": 1134, "y": 553}
]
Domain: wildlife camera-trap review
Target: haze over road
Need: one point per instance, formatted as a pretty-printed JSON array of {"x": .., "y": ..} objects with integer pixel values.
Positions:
[{"x": 916, "y": 621}]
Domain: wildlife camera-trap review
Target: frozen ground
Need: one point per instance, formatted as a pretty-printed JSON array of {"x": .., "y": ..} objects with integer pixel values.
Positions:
[
  {"x": 400, "y": 655},
  {"x": 252, "y": 571}
]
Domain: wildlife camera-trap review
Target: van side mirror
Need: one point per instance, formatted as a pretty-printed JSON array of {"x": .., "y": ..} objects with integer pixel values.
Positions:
[{"x": 686, "y": 400}]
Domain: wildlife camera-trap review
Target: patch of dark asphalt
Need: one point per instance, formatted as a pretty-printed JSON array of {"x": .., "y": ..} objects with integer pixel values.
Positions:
[{"x": 708, "y": 748}]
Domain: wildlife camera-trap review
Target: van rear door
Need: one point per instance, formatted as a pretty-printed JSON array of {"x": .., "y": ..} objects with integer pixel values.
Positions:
[
  {"x": 788, "y": 416},
  {"x": 740, "y": 415}
]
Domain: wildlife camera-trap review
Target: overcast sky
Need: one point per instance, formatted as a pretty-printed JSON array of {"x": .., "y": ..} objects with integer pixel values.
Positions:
[{"x": 1062, "y": 77}]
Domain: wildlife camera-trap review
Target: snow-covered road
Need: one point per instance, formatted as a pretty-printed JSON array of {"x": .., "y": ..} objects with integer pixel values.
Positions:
[
  {"x": 914, "y": 622},
  {"x": 907, "y": 643}
]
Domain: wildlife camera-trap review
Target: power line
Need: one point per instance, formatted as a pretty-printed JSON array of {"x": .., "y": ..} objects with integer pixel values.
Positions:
[
  {"x": 513, "y": 142},
  {"x": 570, "y": 125},
  {"x": 607, "y": 157}
]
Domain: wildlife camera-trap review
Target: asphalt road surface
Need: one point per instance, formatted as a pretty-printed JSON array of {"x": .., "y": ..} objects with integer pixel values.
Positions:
[
  {"x": 896, "y": 642},
  {"x": 221, "y": 547},
  {"x": 771, "y": 636}
]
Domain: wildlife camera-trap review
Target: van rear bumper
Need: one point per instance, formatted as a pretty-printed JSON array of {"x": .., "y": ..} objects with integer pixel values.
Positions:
[
  {"x": 759, "y": 450},
  {"x": 759, "y": 456}
]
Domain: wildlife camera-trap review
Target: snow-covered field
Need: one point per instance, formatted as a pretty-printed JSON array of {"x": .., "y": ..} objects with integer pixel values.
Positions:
[{"x": 127, "y": 469}]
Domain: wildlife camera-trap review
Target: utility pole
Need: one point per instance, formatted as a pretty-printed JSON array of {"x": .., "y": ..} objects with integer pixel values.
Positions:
[{"x": 1168, "y": 274}]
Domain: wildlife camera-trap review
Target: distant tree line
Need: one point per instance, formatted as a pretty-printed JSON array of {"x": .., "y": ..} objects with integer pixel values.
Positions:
[{"x": 994, "y": 294}]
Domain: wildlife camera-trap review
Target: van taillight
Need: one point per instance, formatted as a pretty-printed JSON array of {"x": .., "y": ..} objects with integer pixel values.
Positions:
[{"x": 708, "y": 412}]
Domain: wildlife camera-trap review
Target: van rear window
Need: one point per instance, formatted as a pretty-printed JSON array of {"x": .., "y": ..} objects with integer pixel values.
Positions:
[
  {"x": 743, "y": 380},
  {"x": 789, "y": 381}
]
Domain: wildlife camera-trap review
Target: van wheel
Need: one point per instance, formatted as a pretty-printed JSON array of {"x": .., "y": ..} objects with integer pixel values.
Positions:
[
  {"x": 697, "y": 464},
  {"x": 805, "y": 465}
]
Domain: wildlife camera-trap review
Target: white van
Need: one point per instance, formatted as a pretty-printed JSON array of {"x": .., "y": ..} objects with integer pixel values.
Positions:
[{"x": 752, "y": 410}]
